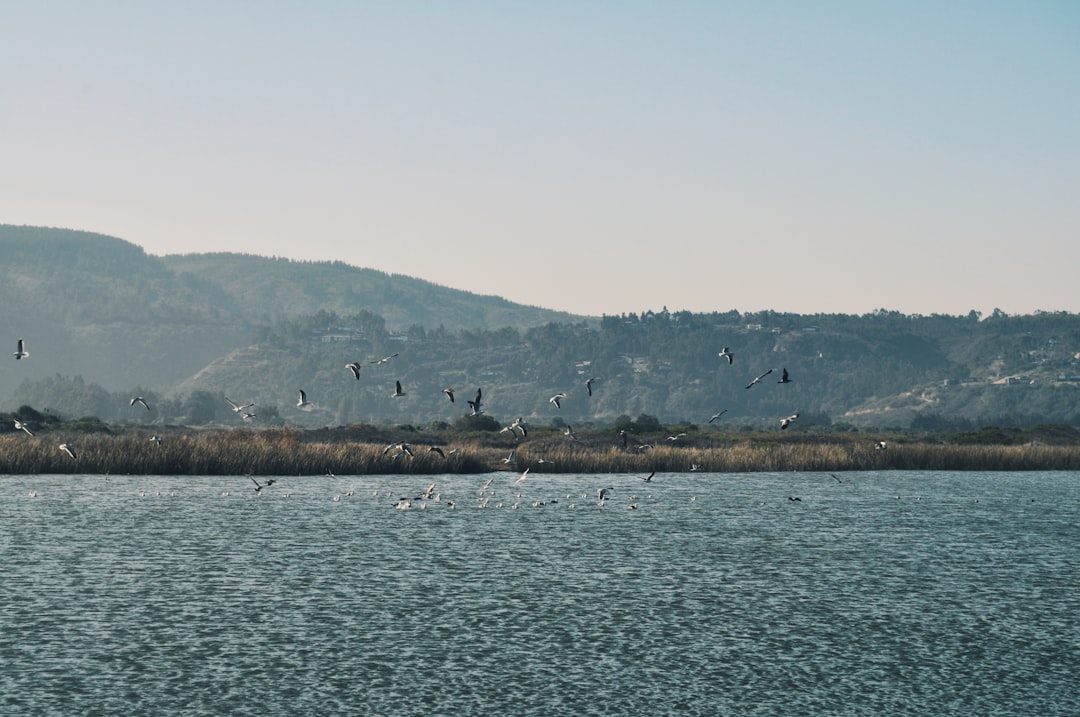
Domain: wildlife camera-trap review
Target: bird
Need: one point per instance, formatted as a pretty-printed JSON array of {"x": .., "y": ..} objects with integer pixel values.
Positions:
[
  {"x": 509, "y": 458},
  {"x": 302, "y": 402},
  {"x": 555, "y": 400},
  {"x": 68, "y": 449},
  {"x": 436, "y": 449},
  {"x": 384, "y": 359},
  {"x": 236, "y": 407},
  {"x": 676, "y": 437},
  {"x": 402, "y": 448},
  {"x": 837, "y": 478},
  {"x": 589, "y": 383},
  {"x": 569, "y": 433},
  {"x": 355, "y": 368},
  {"x": 625, "y": 437},
  {"x": 449, "y": 393},
  {"x": 397, "y": 390},
  {"x": 248, "y": 416},
  {"x": 794, "y": 499},
  {"x": 475, "y": 403},
  {"x": 258, "y": 488},
  {"x": 155, "y": 439},
  {"x": 20, "y": 426},
  {"x": 648, "y": 478},
  {"x": 520, "y": 425},
  {"x": 756, "y": 380},
  {"x": 21, "y": 352},
  {"x": 523, "y": 476},
  {"x": 785, "y": 422},
  {"x": 726, "y": 353},
  {"x": 880, "y": 445},
  {"x": 784, "y": 377},
  {"x": 140, "y": 399},
  {"x": 717, "y": 415}
]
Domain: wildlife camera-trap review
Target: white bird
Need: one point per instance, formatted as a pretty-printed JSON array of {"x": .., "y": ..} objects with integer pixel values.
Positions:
[
  {"x": 68, "y": 449},
  {"x": 880, "y": 445},
  {"x": 155, "y": 439},
  {"x": 676, "y": 437},
  {"x": 509, "y": 458},
  {"x": 523, "y": 476},
  {"x": 20, "y": 426},
  {"x": 785, "y": 422},
  {"x": 556, "y": 400},
  {"x": 717, "y": 415},
  {"x": 569, "y": 433},
  {"x": 140, "y": 399},
  {"x": 475, "y": 403},
  {"x": 397, "y": 390},
  {"x": 355, "y": 368},
  {"x": 384, "y": 359},
  {"x": 588, "y": 384},
  {"x": 726, "y": 353},
  {"x": 236, "y": 407},
  {"x": 302, "y": 402},
  {"x": 248, "y": 416},
  {"x": 21, "y": 352},
  {"x": 756, "y": 380},
  {"x": 449, "y": 393}
]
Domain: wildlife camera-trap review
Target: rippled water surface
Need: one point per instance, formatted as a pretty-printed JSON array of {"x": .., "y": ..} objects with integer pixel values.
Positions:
[{"x": 887, "y": 593}]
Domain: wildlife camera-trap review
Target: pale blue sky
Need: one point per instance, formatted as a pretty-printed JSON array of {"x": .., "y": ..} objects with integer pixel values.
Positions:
[{"x": 595, "y": 157}]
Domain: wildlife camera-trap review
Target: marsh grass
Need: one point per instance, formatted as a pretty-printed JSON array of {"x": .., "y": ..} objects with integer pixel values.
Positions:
[{"x": 288, "y": 452}]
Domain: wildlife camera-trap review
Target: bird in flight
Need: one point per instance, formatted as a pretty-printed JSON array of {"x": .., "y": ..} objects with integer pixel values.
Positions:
[
  {"x": 397, "y": 390},
  {"x": 785, "y": 422},
  {"x": 67, "y": 449},
  {"x": 758, "y": 379},
  {"x": 589, "y": 383},
  {"x": 20, "y": 426},
  {"x": 237, "y": 408},
  {"x": 784, "y": 377},
  {"x": 523, "y": 476},
  {"x": 258, "y": 488},
  {"x": 355, "y": 368},
  {"x": 302, "y": 402},
  {"x": 21, "y": 352},
  {"x": 725, "y": 353},
  {"x": 449, "y": 393},
  {"x": 648, "y": 478},
  {"x": 475, "y": 403},
  {"x": 717, "y": 415},
  {"x": 384, "y": 359},
  {"x": 436, "y": 449},
  {"x": 140, "y": 399},
  {"x": 556, "y": 400}
]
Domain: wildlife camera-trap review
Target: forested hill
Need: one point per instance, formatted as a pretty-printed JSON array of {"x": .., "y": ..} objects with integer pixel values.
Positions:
[{"x": 104, "y": 322}]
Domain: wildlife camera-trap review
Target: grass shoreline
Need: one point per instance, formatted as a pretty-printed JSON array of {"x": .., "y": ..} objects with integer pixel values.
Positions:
[{"x": 286, "y": 452}]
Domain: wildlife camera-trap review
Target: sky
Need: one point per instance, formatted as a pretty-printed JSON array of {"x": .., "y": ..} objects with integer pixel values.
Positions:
[{"x": 595, "y": 157}]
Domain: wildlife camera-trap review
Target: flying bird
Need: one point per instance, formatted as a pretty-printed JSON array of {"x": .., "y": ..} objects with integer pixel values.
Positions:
[
  {"x": 436, "y": 449},
  {"x": 20, "y": 426},
  {"x": 355, "y": 368},
  {"x": 523, "y": 476},
  {"x": 588, "y": 384},
  {"x": 384, "y": 359},
  {"x": 556, "y": 399},
  {"x": 302, "y": 402},
  {"x": 140, "y": 399},
  {"x": 717, "y": 415},
  {"x": 648, "y": 478},
  {"x": 237, "y": 408},
  {"x": 68, "y": 449},
  {"x": 758, "y": 379},
  {"x": 397, "y": 390},
  {"x": 784, "y": 377},
  {"x": 475, "y": 403},
  {"x": 21, "y": 352},
  {"x": 785, "y": 422},
  {"x": 449, "y": 393},
  {"x": 726, "y": 353},
  {"x": 569, "y": 433}
]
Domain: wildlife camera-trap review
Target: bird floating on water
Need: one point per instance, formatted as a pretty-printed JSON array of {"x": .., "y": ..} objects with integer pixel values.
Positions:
[
  {"x": 758, "y": 379},
  {"x": 21, "y": 352}
]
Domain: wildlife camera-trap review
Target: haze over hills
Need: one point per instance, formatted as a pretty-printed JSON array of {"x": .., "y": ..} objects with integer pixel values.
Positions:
[{"x": 103, "y": 321}]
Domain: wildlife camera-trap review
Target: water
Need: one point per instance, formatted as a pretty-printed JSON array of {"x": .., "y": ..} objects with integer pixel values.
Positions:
[{"x": 891, "y": 593}]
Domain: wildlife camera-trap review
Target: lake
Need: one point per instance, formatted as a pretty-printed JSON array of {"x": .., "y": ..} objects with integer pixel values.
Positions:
[{"x": 921, "y": 593}]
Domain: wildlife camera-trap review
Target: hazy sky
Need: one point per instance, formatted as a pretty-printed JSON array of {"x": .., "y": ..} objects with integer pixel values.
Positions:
[{"x": 595, "y": 157}]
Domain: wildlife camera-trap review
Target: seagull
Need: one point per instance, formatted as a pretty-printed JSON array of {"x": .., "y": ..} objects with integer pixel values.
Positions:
[
  {"x": 258, "y": 488},
  {"x": 155, "y": 439},
  {"x": 397, "y": 390},
  {"x": 717, "y": 415},
  {"x": 140, "y": 399},
  {"x": 555, "y": 400},
  {"x": 21, "y": 352},
  {"x": 449, "y": 393},
  {"x": 676, "y": 437},
  {"x": 248, "y": 416},
  {"x": 402, "y": 448},
  {"x": 880, "y": 445},
  {"x": 20, "y": 426},
  {"x": 649, "y": 477},
  {"x": 355, "y": 368},
  {"x": 475, "y": 403},
  {"x": 436, "y": 449},
  {"x": 784, "y": 377},
  {"x": 794, "y": 499},
  {"x": 68, "y": 449},
  {"x": 384, "y": 359},
  {"x": 756, "y": 380},
  {"x": 726, "y": 353},
  {"x": 519, "y": 424},
  {"x": 523, "y": 476},
  {"x": 509, "y": 458},
  {"x": 569, "y": 433},
  {"x": 785, "y": 422},
  {"x": 237, "y": 408},
  {"x": 588, "y": 384},
  {"x": 302, "y": 402}
]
